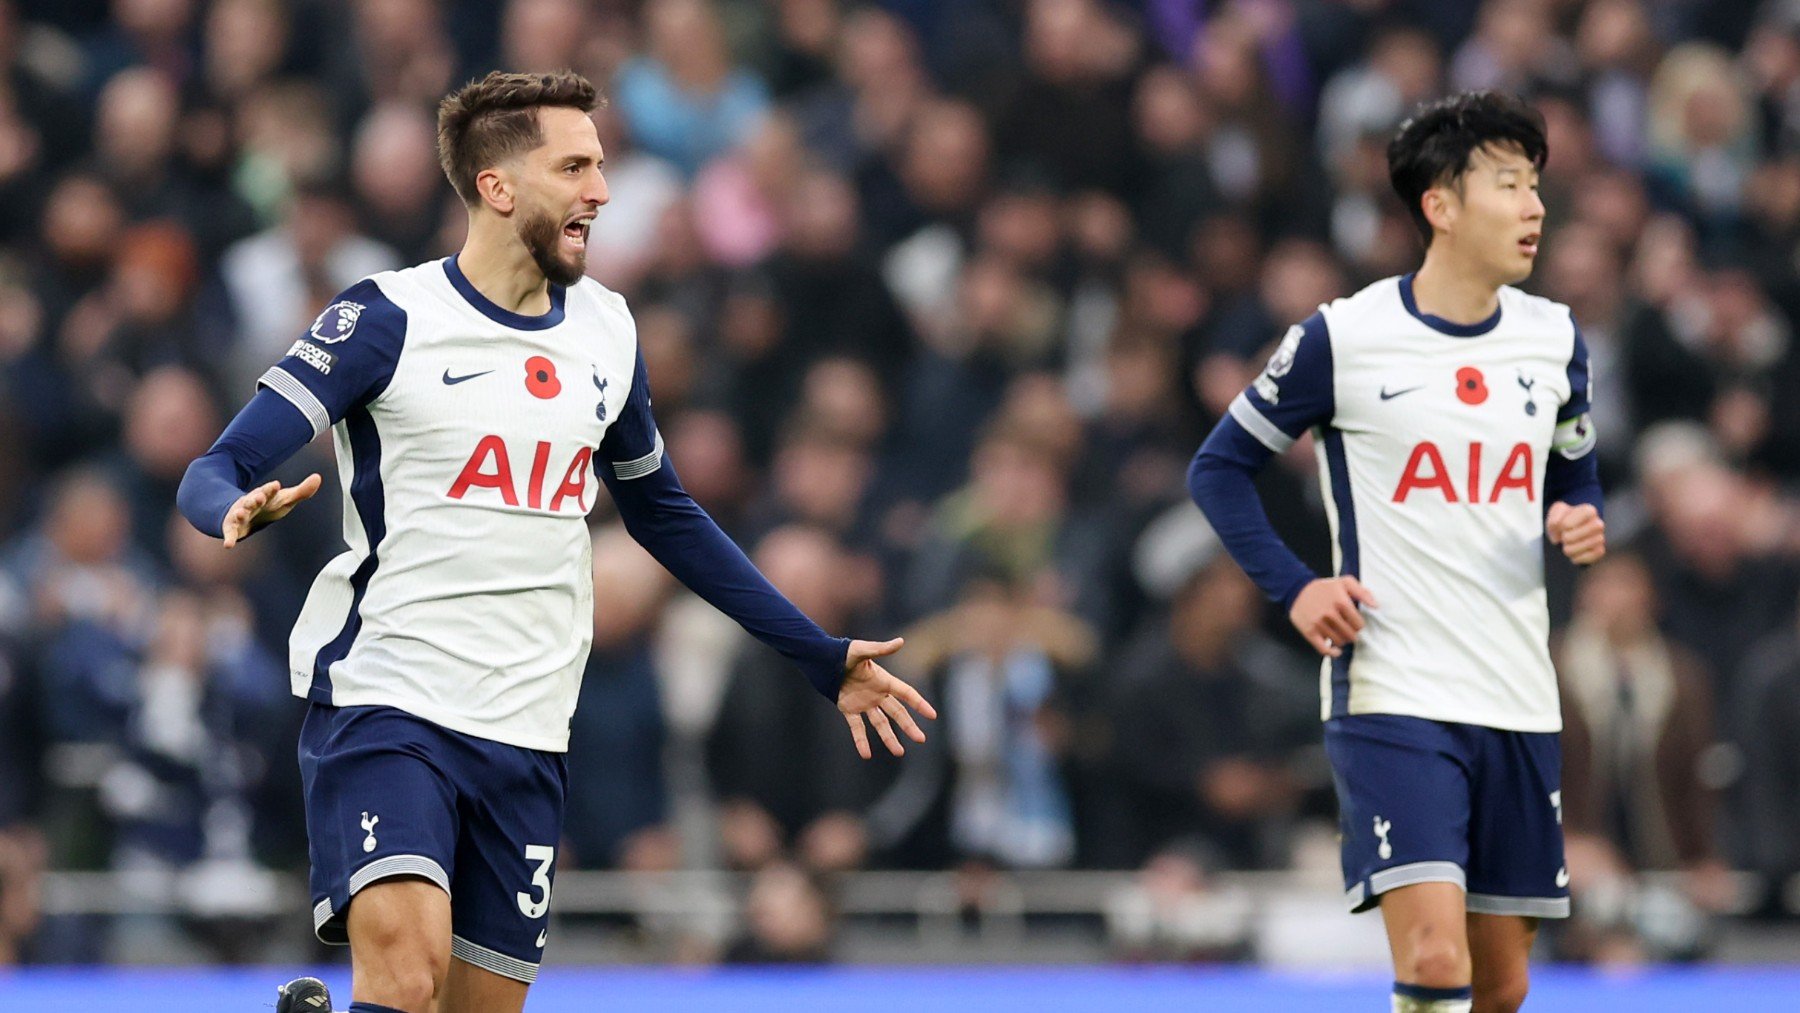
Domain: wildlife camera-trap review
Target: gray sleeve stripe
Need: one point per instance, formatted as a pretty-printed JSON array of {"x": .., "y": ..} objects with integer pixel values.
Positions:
[
  {"x": 1266, "y": 432},
  {"x": 646, "y": 465},
  {"x": 282, "y": 382}
]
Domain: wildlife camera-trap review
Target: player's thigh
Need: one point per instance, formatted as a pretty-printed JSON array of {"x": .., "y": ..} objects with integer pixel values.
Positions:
[
  {"x": 1427, "y": 933},
  {"x": 1516, "y": 862},
  {"x": 1500, "y": 947},
  {"x": 1403, "y": 804},
  {"x": 399, "y": 931},
  {"x": 506, "y": 861},
  {"x": 471, "y": 989},
  {"x": 379, "y": 804}
]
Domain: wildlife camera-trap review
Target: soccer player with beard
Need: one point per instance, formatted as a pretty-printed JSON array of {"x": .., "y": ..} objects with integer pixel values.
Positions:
[
  {"x": 475, "y": 403},
  {"x": 1449, "y": 412}
]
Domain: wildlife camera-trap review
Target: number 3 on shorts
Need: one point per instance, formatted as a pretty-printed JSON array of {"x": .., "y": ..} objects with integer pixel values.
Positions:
[{"x": 543, "y": 855}]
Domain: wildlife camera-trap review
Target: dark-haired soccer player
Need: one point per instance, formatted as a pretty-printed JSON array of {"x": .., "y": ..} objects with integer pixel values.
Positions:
[
  {"x": 1450, "y": 416},
  {"x": 473, "y": 400}
]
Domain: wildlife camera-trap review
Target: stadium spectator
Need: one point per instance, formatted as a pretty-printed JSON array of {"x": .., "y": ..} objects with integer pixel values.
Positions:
[
  {"x": 1637, "y": 737},
  {"x": 788, "y": 919},
  {"x": 1209, "y": 720},
  {"x": 276, "y": 280},
  {"x": 169, "y": 420},
  {"x": 1721, "y": 589},
  {"x": 643, "y": 188},
  {"x": 179, "y": 793},
  {"x": 1006, "y": 664},
  {"x": 618, "y": 798},
  {"x": 1770, "y": 712},
  {"x": 684, "y": 99},
  {"x": 805, "y": 799}
]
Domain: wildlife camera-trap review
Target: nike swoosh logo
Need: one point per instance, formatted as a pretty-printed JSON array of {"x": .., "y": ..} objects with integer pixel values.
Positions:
[
  {"x": 1386, "y": 395},
  {"x": 453, "y": 380},
  {"x": 1562, "y": 877},
  {"x": 543, "y": 937}
]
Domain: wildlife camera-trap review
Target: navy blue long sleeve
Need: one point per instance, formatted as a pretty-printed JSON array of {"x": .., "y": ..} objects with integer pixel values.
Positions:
[
  {"x": 1293, "y": 394},
  {"x": 1221, "y": 480},
  {"x": 267, "y": 432},
  {"x": 665, "y": 520},
  {"x": 1572, "y": 473},
  {"x": 1573, "y": 481},
  {"x": 321, "y": 378}
]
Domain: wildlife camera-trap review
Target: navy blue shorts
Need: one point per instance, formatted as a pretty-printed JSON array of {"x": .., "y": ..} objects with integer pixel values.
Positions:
[
  {"x": 389, "y": 794},
  {"x": 1436, "y": 802}
]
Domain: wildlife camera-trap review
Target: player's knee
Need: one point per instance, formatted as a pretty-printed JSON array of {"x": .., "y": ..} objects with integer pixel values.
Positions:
[
  {"x": 1504, "y": 996},
  {"x": 406, "y": 980},
  {"x": 398, "y": 965},
  {"x": 1436, "y": 962},
  {"x": 412, "y": 991}
]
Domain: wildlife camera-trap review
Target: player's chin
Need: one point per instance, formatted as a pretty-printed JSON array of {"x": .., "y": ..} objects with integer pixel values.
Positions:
[
  {"x": 568, "y": 266},
  {"x": 1518, "y": 267}
]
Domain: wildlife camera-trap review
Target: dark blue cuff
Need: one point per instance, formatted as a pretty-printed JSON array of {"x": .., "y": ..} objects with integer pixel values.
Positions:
[
  {"x": 267, "y": 432},
  {"x": 1573, "y": 482}
]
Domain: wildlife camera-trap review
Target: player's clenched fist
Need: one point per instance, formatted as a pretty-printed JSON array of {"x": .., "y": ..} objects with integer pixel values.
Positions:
[
  {"x": 1326, "y": 614},
  {"x": 265, "y": 504},
  {"x": 1578, "y": 529}
]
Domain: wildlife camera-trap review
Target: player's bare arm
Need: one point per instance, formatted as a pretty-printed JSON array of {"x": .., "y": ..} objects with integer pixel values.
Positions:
[
  {"x": 873, "y": 693},
  {"x": 264, "y": 505},
  {"x": 1579, "y": 529},
  {"x": 1328, "y": 613}
]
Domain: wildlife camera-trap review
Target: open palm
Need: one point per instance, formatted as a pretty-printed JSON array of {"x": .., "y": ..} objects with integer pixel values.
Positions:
[{"x": 873, "y": 693}]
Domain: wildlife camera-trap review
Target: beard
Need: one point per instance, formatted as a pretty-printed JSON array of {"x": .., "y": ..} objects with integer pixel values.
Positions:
[{"x": 542, "y": 235}]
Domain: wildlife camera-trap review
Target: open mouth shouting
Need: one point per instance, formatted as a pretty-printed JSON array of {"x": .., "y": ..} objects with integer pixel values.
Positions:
[
  {"x": 575, "y": 231},
  {"x": 1529, "y": 244}
]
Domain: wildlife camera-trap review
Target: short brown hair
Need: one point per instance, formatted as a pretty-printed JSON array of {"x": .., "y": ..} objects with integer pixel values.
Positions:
[{"x": 488, "y": 121}]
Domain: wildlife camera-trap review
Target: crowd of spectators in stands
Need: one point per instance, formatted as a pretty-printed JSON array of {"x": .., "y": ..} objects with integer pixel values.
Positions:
[{"x": 937, "y": 297}]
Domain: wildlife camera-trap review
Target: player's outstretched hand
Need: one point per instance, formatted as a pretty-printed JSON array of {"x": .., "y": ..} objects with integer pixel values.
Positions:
[
  {"x": 1578, "y": 529},
  {"x": 1325, "y": 613},
  {"x": 871, "y": 691},
  {"x": 263, "y": 505}
]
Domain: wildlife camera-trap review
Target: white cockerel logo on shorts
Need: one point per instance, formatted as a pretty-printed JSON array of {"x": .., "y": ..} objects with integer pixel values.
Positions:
[
  {"x": 1386, "y": 850},
  {"x": 368, "y": 825}
]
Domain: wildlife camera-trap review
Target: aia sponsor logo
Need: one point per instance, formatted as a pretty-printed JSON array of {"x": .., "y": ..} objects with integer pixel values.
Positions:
[
  {"x": 490, "y": 466},
  {"x": 1427, "y": 473}
]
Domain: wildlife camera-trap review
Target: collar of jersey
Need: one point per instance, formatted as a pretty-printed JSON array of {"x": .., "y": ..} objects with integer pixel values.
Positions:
[
  {"x": 487, "y": 307},
  {"x": 1438, "y": 323}
]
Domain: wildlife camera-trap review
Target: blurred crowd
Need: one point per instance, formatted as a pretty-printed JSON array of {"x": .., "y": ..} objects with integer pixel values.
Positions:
[{"x": 937, "y": 297}]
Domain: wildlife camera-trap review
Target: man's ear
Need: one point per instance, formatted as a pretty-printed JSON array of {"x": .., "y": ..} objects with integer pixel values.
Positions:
[
  {"x": 1440, "y": 207},
  {"x": 495, "y": 189}
]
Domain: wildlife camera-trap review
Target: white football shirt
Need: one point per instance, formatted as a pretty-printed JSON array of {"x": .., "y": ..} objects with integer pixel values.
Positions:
[
  {"x": 1432, "y": 439},
  {"x": 467, "y": 440}
]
